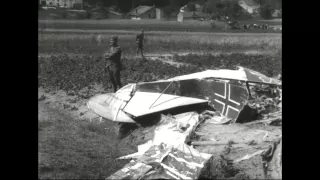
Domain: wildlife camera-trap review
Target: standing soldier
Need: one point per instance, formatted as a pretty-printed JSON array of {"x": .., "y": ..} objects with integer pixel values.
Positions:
[
  {"x": 139, "y": 40},
  {"x": 113, "y": 67}
]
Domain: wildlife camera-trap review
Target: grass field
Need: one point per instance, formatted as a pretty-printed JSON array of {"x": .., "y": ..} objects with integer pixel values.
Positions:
[
  {"x": 73, "y": 149},
  {"x": 149, "y": 25},
  {"x": 95, "y": 44}
]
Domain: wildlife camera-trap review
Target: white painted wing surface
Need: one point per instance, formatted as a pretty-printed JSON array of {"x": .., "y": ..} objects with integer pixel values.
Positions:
[
  {"x": 110, "y": 107},
  {"x": 254, "y": 76},
  {"x": 242, "y": 74},
  {"x": 221, "y": 73},
  {"x": 143, "y": 103}
]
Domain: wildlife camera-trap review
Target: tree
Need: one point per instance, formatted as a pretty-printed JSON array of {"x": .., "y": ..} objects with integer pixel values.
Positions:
[
  {"x": 220, "y": 5},
  {"x": 191, "y": 6},
  {"x": 229, "y": 8},
  {"x": 236, "y": 10},
  {"x": 178, "y": 3},
  {"x": 168, "y": 10},
  {"x": 210, "y": 8},
  {"x": 266, "y": 11}
]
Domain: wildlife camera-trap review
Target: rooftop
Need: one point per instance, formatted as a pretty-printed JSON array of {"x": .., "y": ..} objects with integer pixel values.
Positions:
[{"x": 140, "y": 10}]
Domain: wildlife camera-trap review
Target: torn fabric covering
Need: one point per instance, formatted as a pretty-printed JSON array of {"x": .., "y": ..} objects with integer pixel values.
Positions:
[
  {"x": 176, "y": 159},
  {"x": 182, "y": 162},
  {"x": 132, "y": 170},
  {"x": 227, "y": 97},
  {"x": 168, "y": 132}
]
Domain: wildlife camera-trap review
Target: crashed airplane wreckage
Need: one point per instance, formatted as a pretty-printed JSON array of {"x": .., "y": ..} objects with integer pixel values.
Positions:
[
  {"x": 171, "y": 152},
  {"x": 225, "y": 90}
]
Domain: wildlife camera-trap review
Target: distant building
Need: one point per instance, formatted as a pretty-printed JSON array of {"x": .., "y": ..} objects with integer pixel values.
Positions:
[
  {"x": 114, "y": 15},
  {"x": 277, "y": 13},
  {"x": 180, "y": 17},
  {"x": 143, "y": 12},
  {"x": 199, "y": 8},
  {"x": 76, "y": 4},
  {"x": 159, "y": 13},
  {"x": 251, "y": 8},
  {"x": 185, "y": 14}
]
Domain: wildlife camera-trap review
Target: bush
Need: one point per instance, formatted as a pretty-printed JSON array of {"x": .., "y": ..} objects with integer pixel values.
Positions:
[
  {"x": 267, "y": 65},
  {"x": 64, "y": 14},
  {"x": 74, "y": 73},
  {"x": 191, "y": 6},
  {"x": 266, "y": 11},
  {"x": 89, "y": 14}
]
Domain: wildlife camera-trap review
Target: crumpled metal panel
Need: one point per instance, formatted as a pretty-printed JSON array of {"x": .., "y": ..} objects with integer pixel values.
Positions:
[
  {"x": 183, "y": 164},
  {"x": 168, "y": 131},
  {"x": 162, "y": 161},
  {"x": 167, "y": 153},
  {"x": 132, "y": 170}
]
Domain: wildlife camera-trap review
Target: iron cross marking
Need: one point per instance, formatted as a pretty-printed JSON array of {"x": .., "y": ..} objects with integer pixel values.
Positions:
[{"x": 228, "y": 99}]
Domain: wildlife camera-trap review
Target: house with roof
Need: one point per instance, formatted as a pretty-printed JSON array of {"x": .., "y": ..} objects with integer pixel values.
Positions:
[
  {"x": 277, "y": 13},
  {"x": 192, "y": 15},
  {"x": 198, "y": 7},
  {"x": 76, "y": 4},
  {"x": 249, "y": 6},
  {"x": 114, "y": 15},
  {"x": 185, "y": 14},
  {"x": 145, "y": 12}
]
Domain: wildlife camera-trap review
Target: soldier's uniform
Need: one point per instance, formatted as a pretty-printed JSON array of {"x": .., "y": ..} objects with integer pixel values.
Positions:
[
  {"x": 139, "y": 40},
  {"x": 113, "y": 63}
]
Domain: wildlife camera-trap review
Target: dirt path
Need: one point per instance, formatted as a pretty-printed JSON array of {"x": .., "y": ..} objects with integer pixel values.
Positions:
[{"x": 72, "y": 106}]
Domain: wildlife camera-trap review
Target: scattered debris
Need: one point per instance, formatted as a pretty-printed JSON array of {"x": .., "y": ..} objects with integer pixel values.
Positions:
[
  {"x": 73, "y": 100},
  {"x": 272, "y": 161},
  {"x": 167, "y": 153},
  {"x": 268, "y": 121},
  {"x": 74, "y": 108},
  {"x": 71, "y": 93},
  {"x": 65, "y": 106},
  {"x": 43, "y": 97},
  {"x": 248, "y": 156}
]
